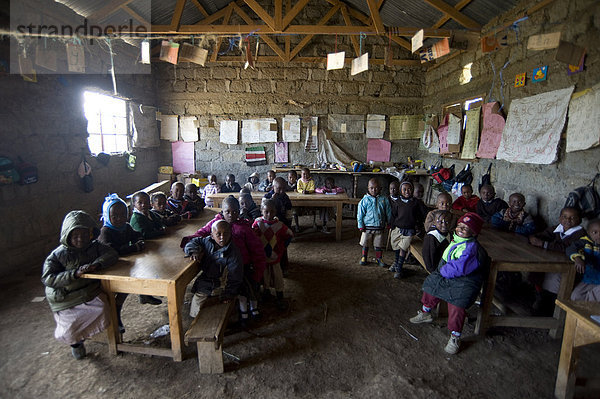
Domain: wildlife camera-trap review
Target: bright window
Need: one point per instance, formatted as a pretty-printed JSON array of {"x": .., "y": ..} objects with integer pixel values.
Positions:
[{"x": 107, "y": 123}]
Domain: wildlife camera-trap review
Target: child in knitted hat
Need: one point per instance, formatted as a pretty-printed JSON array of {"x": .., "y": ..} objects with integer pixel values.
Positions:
[{"x": 457, "y": 280}]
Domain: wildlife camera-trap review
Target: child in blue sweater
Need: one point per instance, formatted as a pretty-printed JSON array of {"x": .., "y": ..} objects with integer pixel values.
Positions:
[
  {"x": 373, "y": 216},
  {"x": 585, "y": 252},
  {"x": 514, "y": 218}
]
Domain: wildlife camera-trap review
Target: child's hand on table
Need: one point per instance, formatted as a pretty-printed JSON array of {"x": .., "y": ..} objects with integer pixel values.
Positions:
[
  {"x": 579, "y": 265},
  {"x": 197, "y": 255},
  {"x": 536, "y": 241},
  {"x": 87, "y": 268},
  {"x": 140, "y": 245}
]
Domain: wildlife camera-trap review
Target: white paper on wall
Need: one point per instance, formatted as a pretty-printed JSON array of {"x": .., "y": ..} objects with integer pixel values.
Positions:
[
  {"x": 342, "y": 123},
  {"x": 169, "y": 126},
  {"x": 228, "y": 132},
  {"x": 360, "y": 64},
  {"x": 259, "y": 130},
  {"x": 533, "y": 127},
  {"x": 454, "y": 129},
  {"x": 471, "y": 140},
  {"x": 336, "y": 60},
  {"x": 375, "y": 126},
  {"x": 583, "y": 129},
  {"x": 417, "y": 40},
  {"x": 291, "y": 128},
  {"x": 188, "y": 128}
]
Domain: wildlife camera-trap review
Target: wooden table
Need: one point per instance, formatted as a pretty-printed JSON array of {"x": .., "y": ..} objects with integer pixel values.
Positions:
[
  {"x": 580, "y": 330},
  {"x": 309, "y": 200},
  {"x": 511, "y": 252},
  {"x": 160, "y": 269}
]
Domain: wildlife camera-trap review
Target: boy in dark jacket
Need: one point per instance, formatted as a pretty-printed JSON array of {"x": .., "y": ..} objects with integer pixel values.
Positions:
[
  {"x": 585, "y": 252},
  {"x": 457, "y": 280},
  {"x": 488, "y": 205},
  {"x": 144, "y": 221},
  {"x": 215, "y": 253},
  {"x": 407, "y": 213},
  {"x": 159, "y": 208},
  {"x": 282, "y": 201},
  {"x": 436, "y": 240}
]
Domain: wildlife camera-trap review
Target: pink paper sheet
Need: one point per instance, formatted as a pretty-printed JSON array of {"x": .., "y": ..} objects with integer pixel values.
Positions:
[
  {"x": 378, "y": 150},
  {"x": 491, "y": 132},
  {"x": 183, "y": 157}
]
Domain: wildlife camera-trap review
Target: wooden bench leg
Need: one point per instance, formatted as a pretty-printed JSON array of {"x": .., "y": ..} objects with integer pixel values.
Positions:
[{"x": 210, "y": 357}]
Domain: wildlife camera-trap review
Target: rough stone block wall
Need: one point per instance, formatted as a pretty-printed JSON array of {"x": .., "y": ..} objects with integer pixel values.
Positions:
[
  {"x": 228, "y": 91},
  {"x": 544, "y": 186},
  {"x": 44, "y": 123}
]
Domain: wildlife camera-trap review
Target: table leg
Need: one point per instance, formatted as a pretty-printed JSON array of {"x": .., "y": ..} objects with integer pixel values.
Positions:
[
  {"x": 565, "y": 378},
  {"x": 113, "y": 330},
  {"x": 354, "y": 185},
  {"x": 338, "y": 221},
  {"x": 486, "y": 303},
  {"x": 175, "y": 304},
  {"x": 564, "y": 293}
]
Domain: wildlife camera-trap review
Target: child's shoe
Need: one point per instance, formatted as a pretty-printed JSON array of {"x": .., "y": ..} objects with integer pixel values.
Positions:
[
  {"x": 380, "y": 262},
  {"x": 244, "y": 319},
  {"x": 453, "y": 345},
  {"x": 78, "y": 351},
  {"x": 325, "y": 230},
  {"x": 392, "y": 268},
  {"x": 398, "y": 274},
  {"x": 422, "y": 317},
  {"x": 255, "y": 315},
  {"x": 363, "y": 261},
  {"x": 150, "y": 300}
]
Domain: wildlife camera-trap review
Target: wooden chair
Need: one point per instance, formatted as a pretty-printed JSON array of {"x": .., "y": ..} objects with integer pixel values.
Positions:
[{"x": 207, "y": 331}]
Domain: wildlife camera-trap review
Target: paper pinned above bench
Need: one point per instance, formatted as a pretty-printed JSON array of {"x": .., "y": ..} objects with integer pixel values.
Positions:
[
  {"x": 188, "y": 128},
  {"x": 169, "y": 126}
]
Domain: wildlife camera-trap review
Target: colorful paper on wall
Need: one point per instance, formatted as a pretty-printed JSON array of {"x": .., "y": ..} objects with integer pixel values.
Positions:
[
  {"x": 471, "y": 134},
  {"x": 573, "y": 69},
  {"x": 438, "y": 50},
  {"x": 375, "y": 126},
  {"x": 406, "y": 127},
  {"x": 539, "y": 74},
  {"x": 281, "y": 152},
  {"x": 183, "y": 157},
  {"x": 492, "y": 43},
  {"x": 443, "y": 135},
  {"x": 169, "y": 51},
  {"x": 256, "y": 156},
  {"x": 169, "y": 126},
  {"x": 228, "y": 132},
  {"x": 533, "y": 127},
  {"x": 188, "y": 128},
  {"x": 491, "y": 132},
  {"x": 520, "y": 79},
  {"x": 584, "y": 120},
  {"x": 378, "y": 150},
  {"x": 291, "y": 128}
]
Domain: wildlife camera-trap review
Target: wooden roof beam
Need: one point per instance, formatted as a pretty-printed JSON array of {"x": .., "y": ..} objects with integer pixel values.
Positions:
[
  {"x": 136, "y": 16},
  {"x": 200, "y": 8},
  {"x": 270, "y": 42},
  {"x": 294, "y": 29},
  {"x": 262, "y": 14},
  {"x": 454, "y": 14},
  {"x": 307, "y": 38},
  {"x": 108, "y": 9},
  {"x": 215, "y": 54},
  {"x": 374, "y": 10},
  {"x": 177, "y": 13},
  {"x": 348, "y": 22},
  {"x": 291, "y": 14},
  {"x": 461, "y": 4}
]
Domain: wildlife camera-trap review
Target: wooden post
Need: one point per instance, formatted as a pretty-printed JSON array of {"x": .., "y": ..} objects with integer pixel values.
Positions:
[{"x": 565, "y": 378}]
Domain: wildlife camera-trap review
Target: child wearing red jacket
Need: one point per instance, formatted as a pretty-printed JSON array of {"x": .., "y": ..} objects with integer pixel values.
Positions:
[{"x": 467, "y": 202}]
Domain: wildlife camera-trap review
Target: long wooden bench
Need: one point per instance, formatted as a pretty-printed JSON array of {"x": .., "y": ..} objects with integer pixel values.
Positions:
[
  {"x": 416, "y": 249},
  {"x": 207, "y": 331}
]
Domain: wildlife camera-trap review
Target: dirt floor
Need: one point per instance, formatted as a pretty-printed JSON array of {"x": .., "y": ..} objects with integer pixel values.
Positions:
[{"x": 346, "y": 334}]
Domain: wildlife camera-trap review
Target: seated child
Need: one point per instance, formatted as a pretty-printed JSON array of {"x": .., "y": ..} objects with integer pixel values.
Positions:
[
  {"x": 306, "y": 184},
  {"x": 80, "y": 307},
  {"x": 282, "y": 201},
  {"x": 159, "y": 208},
  {"x": 248, "y": 209},
  {"x": 253, "y": 182},
  {"x": 373, "y": 215},
  {"x": 251, "y": 249},
  {"x": 557, "y": 239},
  {"x": 443, "y": 203},
  {"x": 585, "y": 252},
  {"x": 419, "y": 191},
  {"x": 119, "y": 235},
  {"x": 488, "y": 205},
  {"x": 457, "y": 280},
  {"x": 215, "y": 254},
  {"x": 211, "y": 188},
  {"x": 467, "y": 202},
  {"x": 230, "y": 185},
  {"x": 514, "y": 218},
  {"x": 407, "y": 213},
  {"x": 275, "y": 237},
  {"x": 328, "y": 188},
  {"x": 292, "y": 181},
  {"x": 267, "y": 185},
  {"x": 435, "y": 241},
  {"x": 144, "y": 221},
  {"x": 195, "y": 203},
  {"x": 178, "y": 203}
]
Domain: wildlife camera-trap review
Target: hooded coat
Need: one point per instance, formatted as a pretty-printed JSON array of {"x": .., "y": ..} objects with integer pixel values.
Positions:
[{"x": 63, "y": 289}]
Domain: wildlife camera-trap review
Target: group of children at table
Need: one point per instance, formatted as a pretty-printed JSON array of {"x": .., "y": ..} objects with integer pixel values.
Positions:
[
  {"x": 238, "y": 250},
  {"x": 457, "y": 264}
]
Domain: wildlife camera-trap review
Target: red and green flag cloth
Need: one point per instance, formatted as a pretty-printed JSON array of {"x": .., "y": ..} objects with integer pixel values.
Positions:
[{"x": 256, "y": 156}]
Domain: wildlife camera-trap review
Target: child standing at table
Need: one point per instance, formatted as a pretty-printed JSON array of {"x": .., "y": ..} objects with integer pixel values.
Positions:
[
  {"x": 215, "y": 254},
  {"x": 328, "y": 188},
  {"x": 267, "y": 185},
  {"x": 80, "y": 307},
  {"x": 275, "y": 237},
  {"x": 211, "y": 188},
  {"x": 144, "y": 221},
  {"x": 443, "y": 203},
  {"x": 119, "y": 235},
  {"x": 251, "y": 249},
  {"x": 373, "y": 216},
  {"x": 489, "y": 204},
  {"x": 457, "y": 280},
  {"x": 585, "y": 252},
  {"x": 514, "y": 218},
  {"x": 282, "y": 201},
  {"x": 435, "y": 241},
  {"x": 248, "y": 208},
  {"x": 159, "y": 208},
  {"x": 230, "y": 185},
  {"x": 467, "y": 202},
  {"x": 407, "y": 213},
  {"x": 292, "y": 181}
]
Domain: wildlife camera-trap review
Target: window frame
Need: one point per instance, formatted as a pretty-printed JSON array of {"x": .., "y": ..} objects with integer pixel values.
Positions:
[{"x": 102, "y": 134}]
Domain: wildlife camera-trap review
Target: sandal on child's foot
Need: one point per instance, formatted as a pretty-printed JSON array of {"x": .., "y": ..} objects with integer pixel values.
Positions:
[
  {"x": 78, "y": 351},
  {"x": 380, "y": 262},
  {"x": 398, "y": 275},
  {"x": 363, "y": 261}
]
